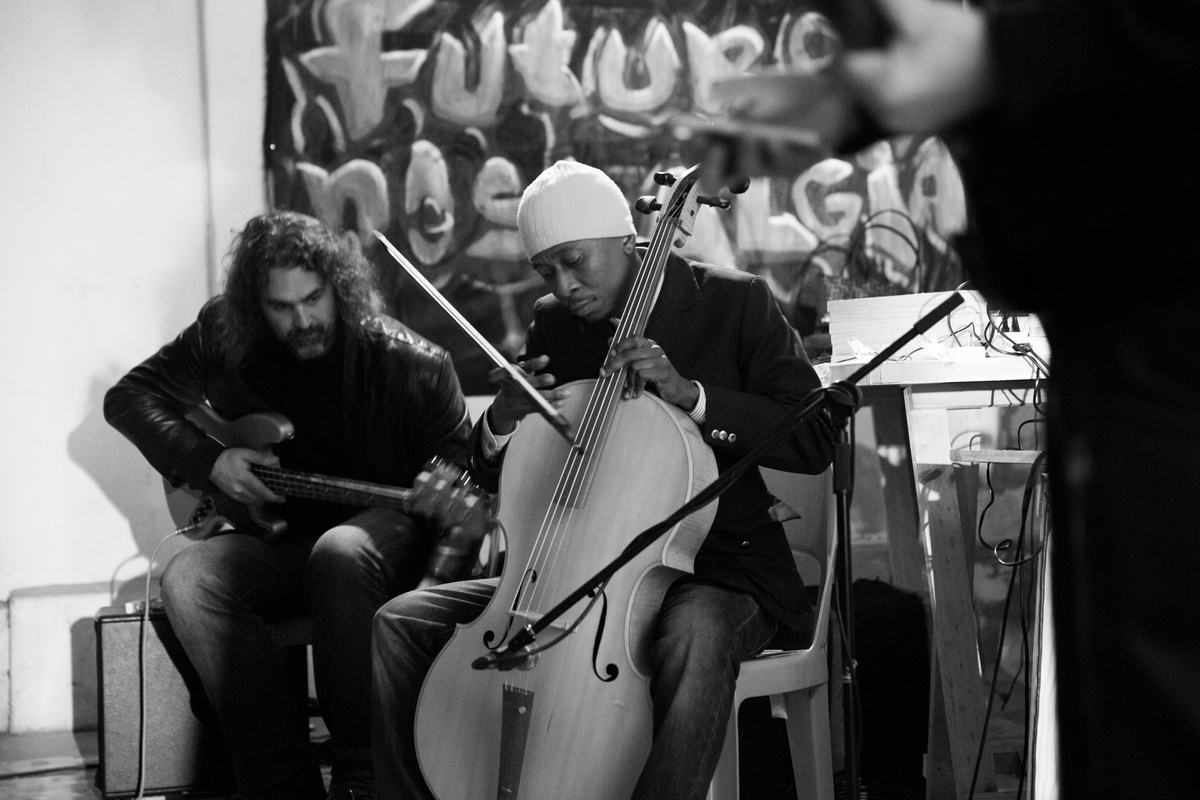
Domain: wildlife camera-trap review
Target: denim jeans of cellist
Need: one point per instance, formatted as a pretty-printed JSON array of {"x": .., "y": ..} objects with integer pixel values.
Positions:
[
  {"x": 220, "y": 593},
  {"x": 704, "y": 633}
]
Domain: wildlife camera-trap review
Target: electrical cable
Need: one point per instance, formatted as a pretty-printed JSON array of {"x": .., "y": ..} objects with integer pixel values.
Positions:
[
  {"x": 139, "y": 791},
  {"x": 852, "y": 667},
  {"x": 1036, "y": 438},
  {"x": 987, "y": 715},
  {"x": 1035, "y": 470}
]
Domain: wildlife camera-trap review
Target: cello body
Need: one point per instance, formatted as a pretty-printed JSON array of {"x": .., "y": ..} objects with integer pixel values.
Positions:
[{"x": 574, "y": 722}]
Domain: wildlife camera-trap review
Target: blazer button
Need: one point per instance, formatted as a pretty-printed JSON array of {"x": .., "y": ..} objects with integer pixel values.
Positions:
[
  {"x": 746, "y": 543},
  {"x": 732, "y": 438},
  {"x": 716, "y": 434},
  {"x": 724, "y": 436}
]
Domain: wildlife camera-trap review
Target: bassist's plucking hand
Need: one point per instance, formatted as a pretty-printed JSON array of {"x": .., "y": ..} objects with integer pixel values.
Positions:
[{"x": 231, "y": 474}]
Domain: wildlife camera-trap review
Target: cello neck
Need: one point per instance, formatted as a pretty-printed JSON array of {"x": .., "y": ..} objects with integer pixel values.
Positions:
[{"x": 673, "y": 225}]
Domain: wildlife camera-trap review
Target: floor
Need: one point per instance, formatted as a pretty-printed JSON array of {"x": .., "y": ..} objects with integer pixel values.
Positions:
[
  {"x": 62, "y": 766},
  {"x": 48, "y": 766}
]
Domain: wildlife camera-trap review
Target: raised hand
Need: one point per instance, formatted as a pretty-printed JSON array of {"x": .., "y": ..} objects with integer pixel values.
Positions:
[{"x": 512, "y": 404}]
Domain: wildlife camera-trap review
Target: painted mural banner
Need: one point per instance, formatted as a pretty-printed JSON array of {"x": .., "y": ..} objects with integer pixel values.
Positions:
[{"x": 425, "y": 119}]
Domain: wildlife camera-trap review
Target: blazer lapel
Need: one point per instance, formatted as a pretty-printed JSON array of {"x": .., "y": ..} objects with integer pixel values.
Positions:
[{"x": 668, "y": 324}]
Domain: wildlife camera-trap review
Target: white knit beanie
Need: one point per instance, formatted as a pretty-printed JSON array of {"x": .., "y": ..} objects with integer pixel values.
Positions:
[{"x": 570, "y": 201}]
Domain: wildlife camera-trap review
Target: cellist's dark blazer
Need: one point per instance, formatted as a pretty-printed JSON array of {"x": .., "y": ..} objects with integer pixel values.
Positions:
[{"x": 724, "y": 329}]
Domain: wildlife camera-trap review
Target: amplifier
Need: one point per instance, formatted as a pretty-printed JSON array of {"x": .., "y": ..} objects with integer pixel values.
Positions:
[{"x": 184, "y": 748}]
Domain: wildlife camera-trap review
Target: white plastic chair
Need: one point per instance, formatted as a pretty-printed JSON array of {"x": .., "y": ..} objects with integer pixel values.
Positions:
[{"x": 797, "y": 681}]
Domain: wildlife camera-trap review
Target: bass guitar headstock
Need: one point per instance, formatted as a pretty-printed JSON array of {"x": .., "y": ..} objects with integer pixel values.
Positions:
[{"x": 462, "y": 512}]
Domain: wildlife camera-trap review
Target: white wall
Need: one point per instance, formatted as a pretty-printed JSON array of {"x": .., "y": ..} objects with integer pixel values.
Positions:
[{"x": 129, "y": 149}]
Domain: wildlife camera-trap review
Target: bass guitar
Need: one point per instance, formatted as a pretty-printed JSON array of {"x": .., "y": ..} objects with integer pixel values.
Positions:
[{"x": 442, "y": 494}]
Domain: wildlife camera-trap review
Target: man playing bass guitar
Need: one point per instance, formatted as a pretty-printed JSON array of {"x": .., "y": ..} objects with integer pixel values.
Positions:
[
  {"x": 718, "y": 350},
  {"x": 294, "y": 333}
]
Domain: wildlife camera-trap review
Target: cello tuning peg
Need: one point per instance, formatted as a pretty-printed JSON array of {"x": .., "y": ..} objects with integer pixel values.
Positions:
[
  {"x": 664, "y": 178},
  {"x": 740, "y": 185},
  {"x": 646, "y": 203},
  {"x": 715, "y": 202}
]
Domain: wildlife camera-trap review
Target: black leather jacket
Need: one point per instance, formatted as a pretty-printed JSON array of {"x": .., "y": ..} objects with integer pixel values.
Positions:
[{"x": 402, "y": 402}]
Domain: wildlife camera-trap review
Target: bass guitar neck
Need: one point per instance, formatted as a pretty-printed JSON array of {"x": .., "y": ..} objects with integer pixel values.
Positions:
[
  {"x": 311, "y": 486},
  {"x": 442, "y": 493}
]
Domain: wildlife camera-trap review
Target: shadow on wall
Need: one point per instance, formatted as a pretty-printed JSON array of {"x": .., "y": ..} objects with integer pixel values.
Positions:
[
  {"x": 135, "y": 490},
  {"x": 84, "y": 700},
  {"x": 133, "y": 487}
]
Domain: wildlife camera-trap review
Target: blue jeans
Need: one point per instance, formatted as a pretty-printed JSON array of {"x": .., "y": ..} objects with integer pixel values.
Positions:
[
  {"x": 704, "y": 634},
  {"x": 220, "y": 593}
]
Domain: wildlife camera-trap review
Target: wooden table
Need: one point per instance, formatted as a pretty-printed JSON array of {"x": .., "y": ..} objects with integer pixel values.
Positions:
[{"x": 934, "y": 422}]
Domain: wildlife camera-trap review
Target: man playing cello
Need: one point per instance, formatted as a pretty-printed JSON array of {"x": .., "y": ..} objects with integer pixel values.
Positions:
[{"x": 717, "y": 347}]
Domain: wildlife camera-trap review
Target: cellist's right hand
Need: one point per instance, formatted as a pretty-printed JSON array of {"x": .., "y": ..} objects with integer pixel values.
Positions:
[{"x": 512, "y": 404}]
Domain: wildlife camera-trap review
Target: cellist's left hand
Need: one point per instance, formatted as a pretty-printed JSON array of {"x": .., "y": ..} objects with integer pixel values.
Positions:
[{"x": 649, "y": 366}]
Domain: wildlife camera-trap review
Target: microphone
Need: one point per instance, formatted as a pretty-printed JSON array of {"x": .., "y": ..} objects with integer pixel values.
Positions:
[{"x": 516, "y": 654}]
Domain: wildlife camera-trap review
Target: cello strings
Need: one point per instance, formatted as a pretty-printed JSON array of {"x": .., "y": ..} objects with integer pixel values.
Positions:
[
  {"x": 601, "y": 406},
  {"x": 602, "y": 403},
  {"x": 550, "y": 541}
]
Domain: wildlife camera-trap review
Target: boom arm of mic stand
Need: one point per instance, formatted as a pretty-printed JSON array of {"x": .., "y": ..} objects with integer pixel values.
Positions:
[{"x": 818, "y": 398}]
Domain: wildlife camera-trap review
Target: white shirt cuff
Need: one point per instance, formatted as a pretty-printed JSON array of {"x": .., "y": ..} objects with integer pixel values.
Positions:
[
  {"x": 492, "y": 443},
  {"x": 697, "y": 413}
]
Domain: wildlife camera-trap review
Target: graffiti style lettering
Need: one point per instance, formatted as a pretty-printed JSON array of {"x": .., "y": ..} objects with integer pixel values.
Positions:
[
  {"x": 888, "y": 232},
  {"x": 428, "y": 204},
  {"x": 355, "y": 65},
  {"x": 807, "y": 43},
  {"x": 640, "y": 79},
  {"x": 827, "y": 212},
  {"x": 359, "y": 181},
  {"x": 470, "y": 99},
  {"x": 429, "y": 116},
  {"x": 937, "y": 201},
  {"x": 496, "y": 195},
  {"x": 711, "y": 58},
  {"x": 768, "y": 234},
  {"x": 540, "y": 53}
]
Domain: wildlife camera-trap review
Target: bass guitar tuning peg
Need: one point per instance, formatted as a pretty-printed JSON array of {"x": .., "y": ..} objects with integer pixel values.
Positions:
[{"x": 664, "y": 178}]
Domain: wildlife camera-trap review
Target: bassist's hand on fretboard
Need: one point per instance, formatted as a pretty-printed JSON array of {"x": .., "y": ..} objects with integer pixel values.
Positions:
[{"x": 232, "y": 475}]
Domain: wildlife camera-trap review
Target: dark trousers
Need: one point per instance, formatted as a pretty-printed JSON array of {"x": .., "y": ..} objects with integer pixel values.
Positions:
[
  {"x": 704, "y": 634},
  {"x": 219, "y": 594}
]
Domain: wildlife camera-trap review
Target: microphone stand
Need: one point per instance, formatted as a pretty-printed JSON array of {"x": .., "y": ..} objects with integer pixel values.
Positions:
[{"x": 842, "y": 399}]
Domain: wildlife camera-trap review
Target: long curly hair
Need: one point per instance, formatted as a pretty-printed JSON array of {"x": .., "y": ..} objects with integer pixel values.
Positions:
[{"x": 286, "y": 239}]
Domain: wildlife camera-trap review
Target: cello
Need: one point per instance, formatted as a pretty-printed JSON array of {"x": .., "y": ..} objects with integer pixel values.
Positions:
[{"x": 574, "y": 720}]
